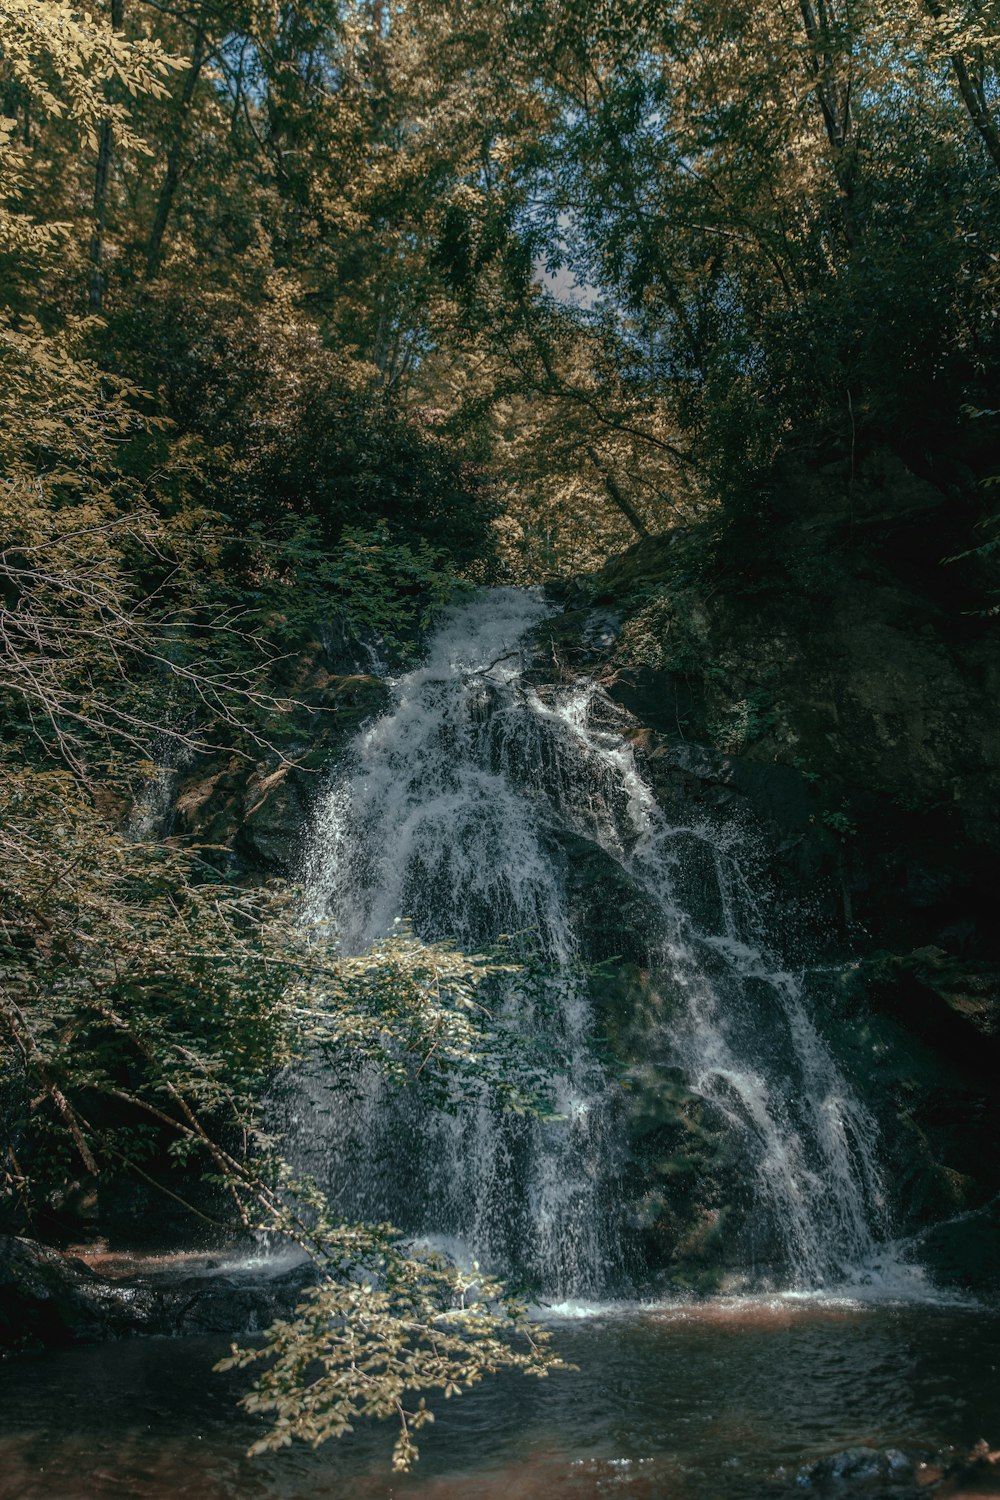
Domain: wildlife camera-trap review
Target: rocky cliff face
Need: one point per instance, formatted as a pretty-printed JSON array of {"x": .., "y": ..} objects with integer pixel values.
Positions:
[
  {"x": 845, "y": 705},
  {"x": 247, "y": 808},
  {"x": 842, "y": 706}
]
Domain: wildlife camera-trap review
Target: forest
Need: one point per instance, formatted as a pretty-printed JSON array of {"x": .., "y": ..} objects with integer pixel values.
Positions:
[{"x": 320, "y": 321}]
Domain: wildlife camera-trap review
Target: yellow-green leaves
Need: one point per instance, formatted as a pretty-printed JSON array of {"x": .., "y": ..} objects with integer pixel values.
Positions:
[
  {"x": 66, "y": 65},
  {"x": 66, "y": 60},
  {"x": 368, "y": 1341},
  {"x": 147, "y": 1005}
]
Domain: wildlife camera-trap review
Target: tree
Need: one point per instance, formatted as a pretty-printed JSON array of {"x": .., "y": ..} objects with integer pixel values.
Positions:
[
  {"x": 146, "y": 1003},
  {"x": 777, "y": 236}
]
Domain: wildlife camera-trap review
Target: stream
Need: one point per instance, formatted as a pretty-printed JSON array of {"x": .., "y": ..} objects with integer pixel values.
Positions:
[
  {"x": 832, "y": 1367},
  {"x": 715, "y": 1401}
]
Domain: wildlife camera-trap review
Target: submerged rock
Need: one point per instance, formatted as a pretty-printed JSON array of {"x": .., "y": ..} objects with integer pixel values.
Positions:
[
  {"x": 856, "y": 1465},
  {"x": 891, "y": 1474}
]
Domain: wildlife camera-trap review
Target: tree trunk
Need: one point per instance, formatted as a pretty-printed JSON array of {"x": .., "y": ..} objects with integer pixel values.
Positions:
[
  {"x": 972, "y": 96},
  {"x": 614, "y": 490},
  {"x": 976, "y": 104},
  {"x": 104, "y": 147},
  {"x": 833, "y": 96},
  {"x": 165, "y": 202}
]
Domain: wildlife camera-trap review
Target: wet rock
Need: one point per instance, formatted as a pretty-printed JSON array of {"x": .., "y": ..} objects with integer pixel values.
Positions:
[
  {"x": 964, "y": 1252},
  {"x": 251, "y": 816},
  {"x": 616, "y": 911},
  {"x": 857, "y": 1465},
  {"x": 876, "y": 1473},
  {"x": 51, "y": 1299},
  {"x": 835, "y": 691},
  {"x": 960, "y": 1476},
  {"x": 775, "y": 798},
  {"x": 861, "y": 668},
  {"x": 274, "y": 807},
  {"x": 950, "y": 1004},
  {"x": 973, "y": 1474},
  {"x": 969, "y": 989},
  {"x": 572, "y": 641}
]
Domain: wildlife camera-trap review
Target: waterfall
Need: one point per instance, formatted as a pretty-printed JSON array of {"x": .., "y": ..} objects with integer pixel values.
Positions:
[{"x": 463, "y": 810}]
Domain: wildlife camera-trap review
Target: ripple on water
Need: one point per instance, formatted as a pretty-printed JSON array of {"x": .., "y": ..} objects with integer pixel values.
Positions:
[{"x": 729, "y": 1399}]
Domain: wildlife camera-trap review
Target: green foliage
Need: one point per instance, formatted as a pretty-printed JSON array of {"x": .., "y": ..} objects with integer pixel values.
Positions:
[
  {"x": 59, "y": 60},
  {"x": 840, "y": 823},
  {"x": 738, "y": 724},
  {"x": 104, "y": 602},
  {"x": 273, "y": 348},
  {"x": 425, "y": 1012},
  {"x": 655, "y": 634},
  {"x": 390, "y": 1326},
  {"x": 146, "y": 1005},
  {"x": 781, "y": 220},
  {"x": 291, "y": 432},
  {"x": 134, "y": 972},
  {"x": 131, "y": 975},
  {"x": 189, "y": 482},
  {"x": 988, "y": 525},
  {"x": 384, "y": 589}
]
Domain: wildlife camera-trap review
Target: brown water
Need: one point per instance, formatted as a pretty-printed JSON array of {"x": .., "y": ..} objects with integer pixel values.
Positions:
[{"x": 718, "y": 1401}]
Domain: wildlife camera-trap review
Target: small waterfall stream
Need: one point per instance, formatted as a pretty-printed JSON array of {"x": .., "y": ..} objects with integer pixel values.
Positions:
[{"x": 463, "y": 810}]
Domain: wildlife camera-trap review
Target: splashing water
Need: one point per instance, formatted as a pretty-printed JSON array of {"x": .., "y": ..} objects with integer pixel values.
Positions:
[{"x": 459, "y": 810}]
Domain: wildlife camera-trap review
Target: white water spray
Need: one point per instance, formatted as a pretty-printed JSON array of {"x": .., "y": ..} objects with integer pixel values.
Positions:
[{"x": 454, "y": 811}]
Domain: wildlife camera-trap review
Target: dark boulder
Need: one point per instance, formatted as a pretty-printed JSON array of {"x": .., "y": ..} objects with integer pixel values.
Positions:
[{"x": 53, "y": 1299}]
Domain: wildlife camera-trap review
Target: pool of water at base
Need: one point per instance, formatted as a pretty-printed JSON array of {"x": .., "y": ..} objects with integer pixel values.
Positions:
[{"x": 723, "y": 1400}]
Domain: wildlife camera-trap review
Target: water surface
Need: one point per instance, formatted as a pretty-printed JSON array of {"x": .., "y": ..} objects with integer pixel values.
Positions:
[{"x": 713, "y": 1401}]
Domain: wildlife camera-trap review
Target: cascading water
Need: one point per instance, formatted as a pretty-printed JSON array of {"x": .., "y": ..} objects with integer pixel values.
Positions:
[{"x": 454, "y": 811}]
